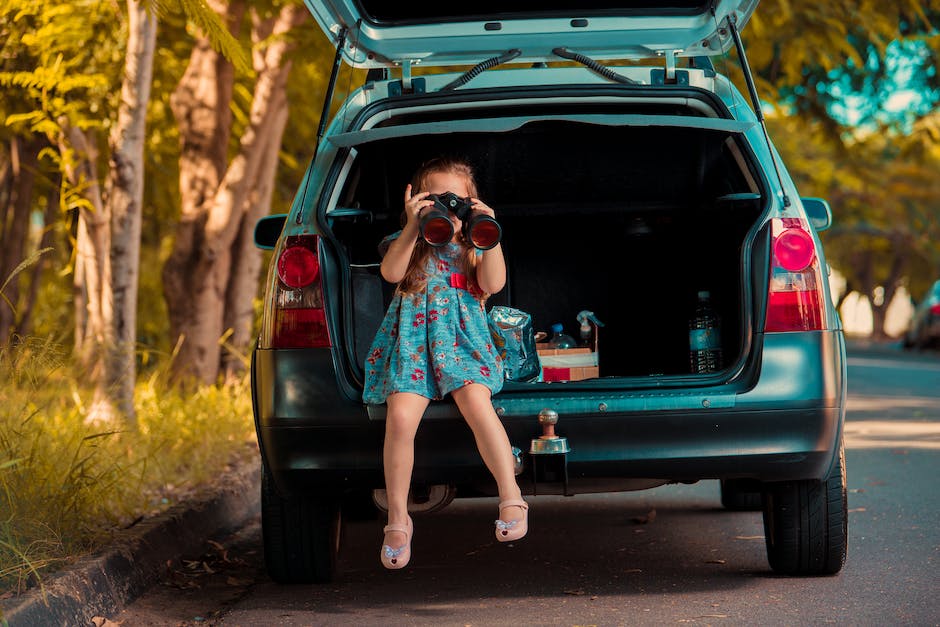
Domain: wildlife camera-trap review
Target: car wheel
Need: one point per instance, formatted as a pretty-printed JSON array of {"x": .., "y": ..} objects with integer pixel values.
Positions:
[
  {"x": 358, "y": 506},
  {"x": 740, "y": 495},
  {"x": 806, "y": 523},
  {"x": 301, "y": 535}
]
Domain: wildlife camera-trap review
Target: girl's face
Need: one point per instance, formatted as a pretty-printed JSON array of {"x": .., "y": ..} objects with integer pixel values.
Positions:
[{"x": 440, "y": 182}]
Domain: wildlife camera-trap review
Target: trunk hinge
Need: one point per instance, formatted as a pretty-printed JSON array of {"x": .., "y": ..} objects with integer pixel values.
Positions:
[
  {"x": 324, "y": 114},
  {"x": 407, "y": 84},
  {"x": 670, "y": 77},
  {"x": 752, "y": 90},
  {"x": 406, "y": 76}
]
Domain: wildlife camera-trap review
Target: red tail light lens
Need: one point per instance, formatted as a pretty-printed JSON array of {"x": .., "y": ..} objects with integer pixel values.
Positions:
[
  {"x": 795, "y": 297},
  {"x": 299, "y": 328},
  {"x": 935, "y": 309},
  {"x": 794, "y": 249},
  {"x": 794, "y": 311},
  {"x": 296, "y": 318},
  {"x": 298, "y": 266}
]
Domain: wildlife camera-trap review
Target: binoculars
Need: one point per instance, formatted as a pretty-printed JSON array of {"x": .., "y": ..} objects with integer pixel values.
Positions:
[{"x": 437, "y": 229}]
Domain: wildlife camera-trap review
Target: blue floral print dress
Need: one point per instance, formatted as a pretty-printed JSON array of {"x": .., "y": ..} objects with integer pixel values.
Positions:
[{"x": 434, "y": 341}]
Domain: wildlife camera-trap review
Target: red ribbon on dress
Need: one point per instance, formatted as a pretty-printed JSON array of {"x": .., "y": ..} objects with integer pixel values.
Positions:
[{"x": 461, "y": 282}]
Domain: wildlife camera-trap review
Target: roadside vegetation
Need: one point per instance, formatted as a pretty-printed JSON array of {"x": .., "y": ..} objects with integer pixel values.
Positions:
[{"x": 67, "y": 484}]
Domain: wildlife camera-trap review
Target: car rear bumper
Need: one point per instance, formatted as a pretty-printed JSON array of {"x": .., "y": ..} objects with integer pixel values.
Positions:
[{"x": 786, "y": 426}]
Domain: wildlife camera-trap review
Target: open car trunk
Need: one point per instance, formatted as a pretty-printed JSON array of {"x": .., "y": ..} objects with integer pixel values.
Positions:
[{"x": 627, "y": 222}]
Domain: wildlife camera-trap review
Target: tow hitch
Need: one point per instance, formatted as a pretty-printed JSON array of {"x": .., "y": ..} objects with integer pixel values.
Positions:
[{"x": 549, "y": 454}]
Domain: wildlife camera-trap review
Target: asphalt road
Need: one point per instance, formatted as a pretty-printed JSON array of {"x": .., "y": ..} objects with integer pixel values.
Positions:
[{"x": 665, "y": 556}]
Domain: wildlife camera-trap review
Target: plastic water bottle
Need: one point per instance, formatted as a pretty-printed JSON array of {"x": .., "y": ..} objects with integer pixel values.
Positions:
[
  {"x": 705, "y": 337},
  {"x": 559, "y": 338}
]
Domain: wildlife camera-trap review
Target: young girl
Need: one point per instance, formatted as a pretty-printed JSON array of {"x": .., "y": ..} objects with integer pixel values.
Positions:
[{"x": 435, "y": 341}]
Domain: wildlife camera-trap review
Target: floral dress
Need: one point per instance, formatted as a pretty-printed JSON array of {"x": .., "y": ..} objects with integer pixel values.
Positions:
[{"x": 434, "y": 341}]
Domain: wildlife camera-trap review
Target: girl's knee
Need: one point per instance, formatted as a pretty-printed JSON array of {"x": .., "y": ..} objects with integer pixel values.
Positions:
[
  {"x": 401, "y": 424},
  {"x": 473, "y": 392}
]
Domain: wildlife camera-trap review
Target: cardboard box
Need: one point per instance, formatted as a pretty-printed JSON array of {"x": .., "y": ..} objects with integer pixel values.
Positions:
[{"x": 567, "y": 364}]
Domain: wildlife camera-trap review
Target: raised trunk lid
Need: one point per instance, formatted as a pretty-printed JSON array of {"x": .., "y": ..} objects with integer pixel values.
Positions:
[{"x": 385, "y": 34}]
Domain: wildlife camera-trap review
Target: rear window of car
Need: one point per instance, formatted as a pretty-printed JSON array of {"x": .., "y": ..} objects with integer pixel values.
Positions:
[{"x": 384, "y": 12}]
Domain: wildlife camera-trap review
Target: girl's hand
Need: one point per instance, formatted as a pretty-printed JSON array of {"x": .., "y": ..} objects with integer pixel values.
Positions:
[
  {"x": 414, "y": 205},
  {"x": 479, "y": 206}
]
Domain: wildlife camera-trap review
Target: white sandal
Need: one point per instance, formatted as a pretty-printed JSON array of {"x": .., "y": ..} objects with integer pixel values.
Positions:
[{"x": 507, "y": 531}]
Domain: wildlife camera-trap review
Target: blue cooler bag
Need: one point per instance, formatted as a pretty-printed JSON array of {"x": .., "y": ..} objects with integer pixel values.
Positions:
[{"x": 514, "y": 338}]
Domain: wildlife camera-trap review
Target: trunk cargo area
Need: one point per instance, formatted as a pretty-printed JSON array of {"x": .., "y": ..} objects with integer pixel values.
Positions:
[{"x": 627, "y": 222}]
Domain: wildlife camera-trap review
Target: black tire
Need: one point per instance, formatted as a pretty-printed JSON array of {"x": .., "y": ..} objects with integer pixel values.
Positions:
[
  {"x": 358, "y": 506},
  {"x": 806, "y": 524},
  {"x": 301, "y": 535},
  {"x": 741, "y": 495}
]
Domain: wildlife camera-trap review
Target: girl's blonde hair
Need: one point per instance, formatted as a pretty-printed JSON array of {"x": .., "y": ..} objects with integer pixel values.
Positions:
[{"x": 415, "y": 279}]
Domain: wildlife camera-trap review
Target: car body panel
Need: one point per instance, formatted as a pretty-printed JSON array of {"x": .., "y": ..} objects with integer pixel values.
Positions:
[
  {"x": 783, "y": 427},
  {"x": 389, "y": 36}
]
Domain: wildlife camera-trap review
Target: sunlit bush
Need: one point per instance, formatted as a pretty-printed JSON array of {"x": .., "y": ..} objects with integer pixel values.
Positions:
[{"x": 65, "y": 485}]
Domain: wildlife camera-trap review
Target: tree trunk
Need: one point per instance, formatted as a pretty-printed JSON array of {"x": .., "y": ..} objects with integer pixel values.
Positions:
[
  {"x": 246, "y": 266},
  {"x": 198, "y": 273},
  {"x": 901, "y": 248},
  {"x": 201, "y": 106},
  {"x": 91, "y": 302},
  {"x": 125, "y": 187},
  {"x": 14, "y": 229},
  {"x": 25, "y": 321}
]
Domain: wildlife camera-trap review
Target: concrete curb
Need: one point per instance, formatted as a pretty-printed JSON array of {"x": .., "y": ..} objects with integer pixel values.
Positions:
[{"x": 103, "y": 583}]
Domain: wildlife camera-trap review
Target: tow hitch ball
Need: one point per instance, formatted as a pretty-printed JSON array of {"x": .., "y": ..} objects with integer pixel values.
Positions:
[{"x": 549, "y": 453}]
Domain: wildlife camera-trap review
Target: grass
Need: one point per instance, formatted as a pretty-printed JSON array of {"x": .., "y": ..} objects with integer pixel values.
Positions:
[{"x": 66, "y": 485}]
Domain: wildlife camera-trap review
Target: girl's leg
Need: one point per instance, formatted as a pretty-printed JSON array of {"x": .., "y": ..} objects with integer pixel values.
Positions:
[
  {"x": 401, "y": 423},
  {"x": 474, "y": 403}
]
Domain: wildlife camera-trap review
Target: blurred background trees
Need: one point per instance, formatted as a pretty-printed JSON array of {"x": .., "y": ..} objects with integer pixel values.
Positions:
[
  {"x": 211, "y": 154},
  {"x": 851, "y": 90}
]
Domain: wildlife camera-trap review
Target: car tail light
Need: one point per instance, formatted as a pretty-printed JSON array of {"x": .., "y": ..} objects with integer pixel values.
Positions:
[
  {"x": 296, "y": 318},
  {"x": 935, "y": 309},
  {"x": 796, "y": 296}
]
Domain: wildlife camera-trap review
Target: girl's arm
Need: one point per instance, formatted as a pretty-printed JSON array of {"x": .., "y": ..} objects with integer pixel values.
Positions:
[
  {"x": 395, "y": 263},
  {"x": 491, "y": 269}
]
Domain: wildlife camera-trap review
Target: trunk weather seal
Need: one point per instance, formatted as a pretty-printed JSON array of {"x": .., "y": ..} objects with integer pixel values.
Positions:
[
  {"x": 533, "y": 92},
  {"x": 509, "y": 123}
]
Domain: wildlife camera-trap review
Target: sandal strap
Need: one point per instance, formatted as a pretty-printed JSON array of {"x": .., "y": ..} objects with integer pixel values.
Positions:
[
  {"x": 513, "y": 503},
  {"x": 401, "y": 528},
  {"x": 405, "y": 529}
]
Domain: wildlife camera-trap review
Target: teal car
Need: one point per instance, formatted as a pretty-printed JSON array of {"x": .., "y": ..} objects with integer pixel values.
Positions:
[
  {"x": 924, "y": 329},
  {"x": 628, "y": 176}
]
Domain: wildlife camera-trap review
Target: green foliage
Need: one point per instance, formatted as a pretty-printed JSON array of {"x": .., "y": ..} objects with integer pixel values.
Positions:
[
  {"x": 26, "y": 263},
  {"x": 842, "y": 61},
  {"x": 49, "y": 71},
  {"x": 65, "y": 485},
  {"x": 211, "y": 25}
]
